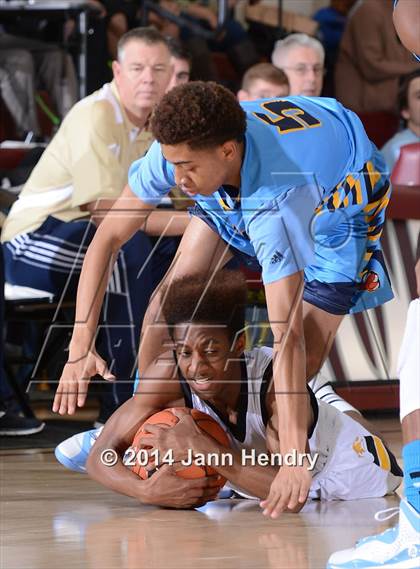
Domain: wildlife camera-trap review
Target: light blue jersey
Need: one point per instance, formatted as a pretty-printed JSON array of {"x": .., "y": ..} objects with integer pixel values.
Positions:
[{"x": 305, "y": 159}]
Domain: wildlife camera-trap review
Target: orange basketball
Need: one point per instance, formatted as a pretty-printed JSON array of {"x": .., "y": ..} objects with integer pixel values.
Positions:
[{"x": 166, "y": 417}]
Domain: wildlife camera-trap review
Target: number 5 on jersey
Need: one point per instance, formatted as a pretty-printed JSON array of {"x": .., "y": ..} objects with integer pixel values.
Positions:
[{"x": 287, "y": 117}]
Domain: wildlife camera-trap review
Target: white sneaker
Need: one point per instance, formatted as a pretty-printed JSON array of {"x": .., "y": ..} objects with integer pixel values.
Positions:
[
  {"x": 395, "y": 548},
  {"x": 74, "y": 451}
]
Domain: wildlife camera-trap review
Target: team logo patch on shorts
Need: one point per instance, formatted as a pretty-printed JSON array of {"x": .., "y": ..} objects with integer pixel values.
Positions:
[
  {"x": 370, "y": 281},
  {"x": 358, "y": 447}
]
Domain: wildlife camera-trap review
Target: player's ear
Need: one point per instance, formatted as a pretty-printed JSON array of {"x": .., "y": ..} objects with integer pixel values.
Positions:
[
  {"x": 405, "y": 114},
  {"x": 242, "y": 95},
  {"x": 229, "y": 149},
  {"x": 239, "y": 346},
  {"x": 116, "y": 69}
]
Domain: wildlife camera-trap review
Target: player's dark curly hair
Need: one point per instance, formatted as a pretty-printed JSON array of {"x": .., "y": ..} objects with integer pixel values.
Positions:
[
  {"x": 202, "y": 114},
  {"x": 198, "y": 299}
]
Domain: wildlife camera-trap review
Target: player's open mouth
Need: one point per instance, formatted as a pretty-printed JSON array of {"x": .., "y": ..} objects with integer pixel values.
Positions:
[
  {"x": 201, "y": 379},
  {"x": 202, "y": 383}
]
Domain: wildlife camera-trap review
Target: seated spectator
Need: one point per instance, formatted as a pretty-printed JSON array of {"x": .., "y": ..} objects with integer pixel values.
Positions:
[
  {"x": 410, "y": 112},
  {"x": 371, "y": 60},
  {"x": 181, "y": 63},
  {"x": 263, "y": 81},
  {"x": 79, "y": 176},
  {"x": 301, "y": 57}
]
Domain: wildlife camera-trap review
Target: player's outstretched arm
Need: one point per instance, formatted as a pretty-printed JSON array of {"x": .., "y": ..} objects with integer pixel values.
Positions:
[
  {"x": 284, "y": 302},
  {"x": 128, "y": 215},
  {"x": 158, "y": 390}
]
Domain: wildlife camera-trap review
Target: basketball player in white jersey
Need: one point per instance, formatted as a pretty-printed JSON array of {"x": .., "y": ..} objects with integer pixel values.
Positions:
[{"x": 207, "y": 368}]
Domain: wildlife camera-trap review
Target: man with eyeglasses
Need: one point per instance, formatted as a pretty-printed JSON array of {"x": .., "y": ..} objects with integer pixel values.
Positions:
[{"x": 302, "y": 59}]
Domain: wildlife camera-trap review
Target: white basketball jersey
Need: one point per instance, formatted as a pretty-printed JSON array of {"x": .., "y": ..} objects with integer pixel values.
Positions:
[{"x": 346, "y": 467}]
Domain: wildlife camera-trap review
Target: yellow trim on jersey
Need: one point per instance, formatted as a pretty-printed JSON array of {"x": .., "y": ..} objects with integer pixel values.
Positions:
[
  {"x": 359, "y": 195},
  {"x": 336, "y": 198},
  {"x": 374, "y": 175},
  {"x": 224, "y": 205},
  {"x": 380, "y": 204},
  {"x": 375, "y": 237}
]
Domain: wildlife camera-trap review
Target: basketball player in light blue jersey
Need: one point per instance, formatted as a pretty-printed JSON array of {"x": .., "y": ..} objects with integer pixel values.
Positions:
[{"x": 293, "y": 184}]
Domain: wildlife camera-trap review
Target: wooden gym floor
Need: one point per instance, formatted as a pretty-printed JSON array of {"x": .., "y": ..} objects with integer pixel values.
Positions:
[{"x": 52, "y": 518}]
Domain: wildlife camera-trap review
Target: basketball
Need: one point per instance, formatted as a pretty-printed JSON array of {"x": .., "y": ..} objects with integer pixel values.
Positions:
[{"x": 166, "y": 417}]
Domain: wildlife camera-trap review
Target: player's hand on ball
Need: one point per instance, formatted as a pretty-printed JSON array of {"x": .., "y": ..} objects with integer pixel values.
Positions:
[
  {"x": 176, "y": 440},
  {"x": 74, "y": 381},
  {"x": 168, "y": 490},
  {"x": 288, "y": 491}
]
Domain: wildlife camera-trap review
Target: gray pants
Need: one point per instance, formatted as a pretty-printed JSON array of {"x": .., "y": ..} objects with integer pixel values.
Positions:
[
  {"x": 17, "y": 88},
  {"x": 28, "y": 65}
]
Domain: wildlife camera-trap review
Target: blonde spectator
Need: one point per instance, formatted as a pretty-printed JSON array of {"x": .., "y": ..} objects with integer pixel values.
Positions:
[{"x": 263, "y": 81}]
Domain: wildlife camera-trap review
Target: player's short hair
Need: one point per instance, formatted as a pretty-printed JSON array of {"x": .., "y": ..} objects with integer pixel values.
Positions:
[
  {"x": 199, "y": 299},
  {"x": 201, "y": 114},
  {"x": 178, "y": 50},
  {"x": 265, "y": 71},
  {"x": 404, "y": 87},
  {"x": 147, "y": 35},
  {"x": 282, "y": 47}
]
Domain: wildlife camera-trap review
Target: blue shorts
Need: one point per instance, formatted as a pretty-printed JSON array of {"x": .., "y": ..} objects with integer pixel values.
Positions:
[{"x": 348, "y": 274}]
